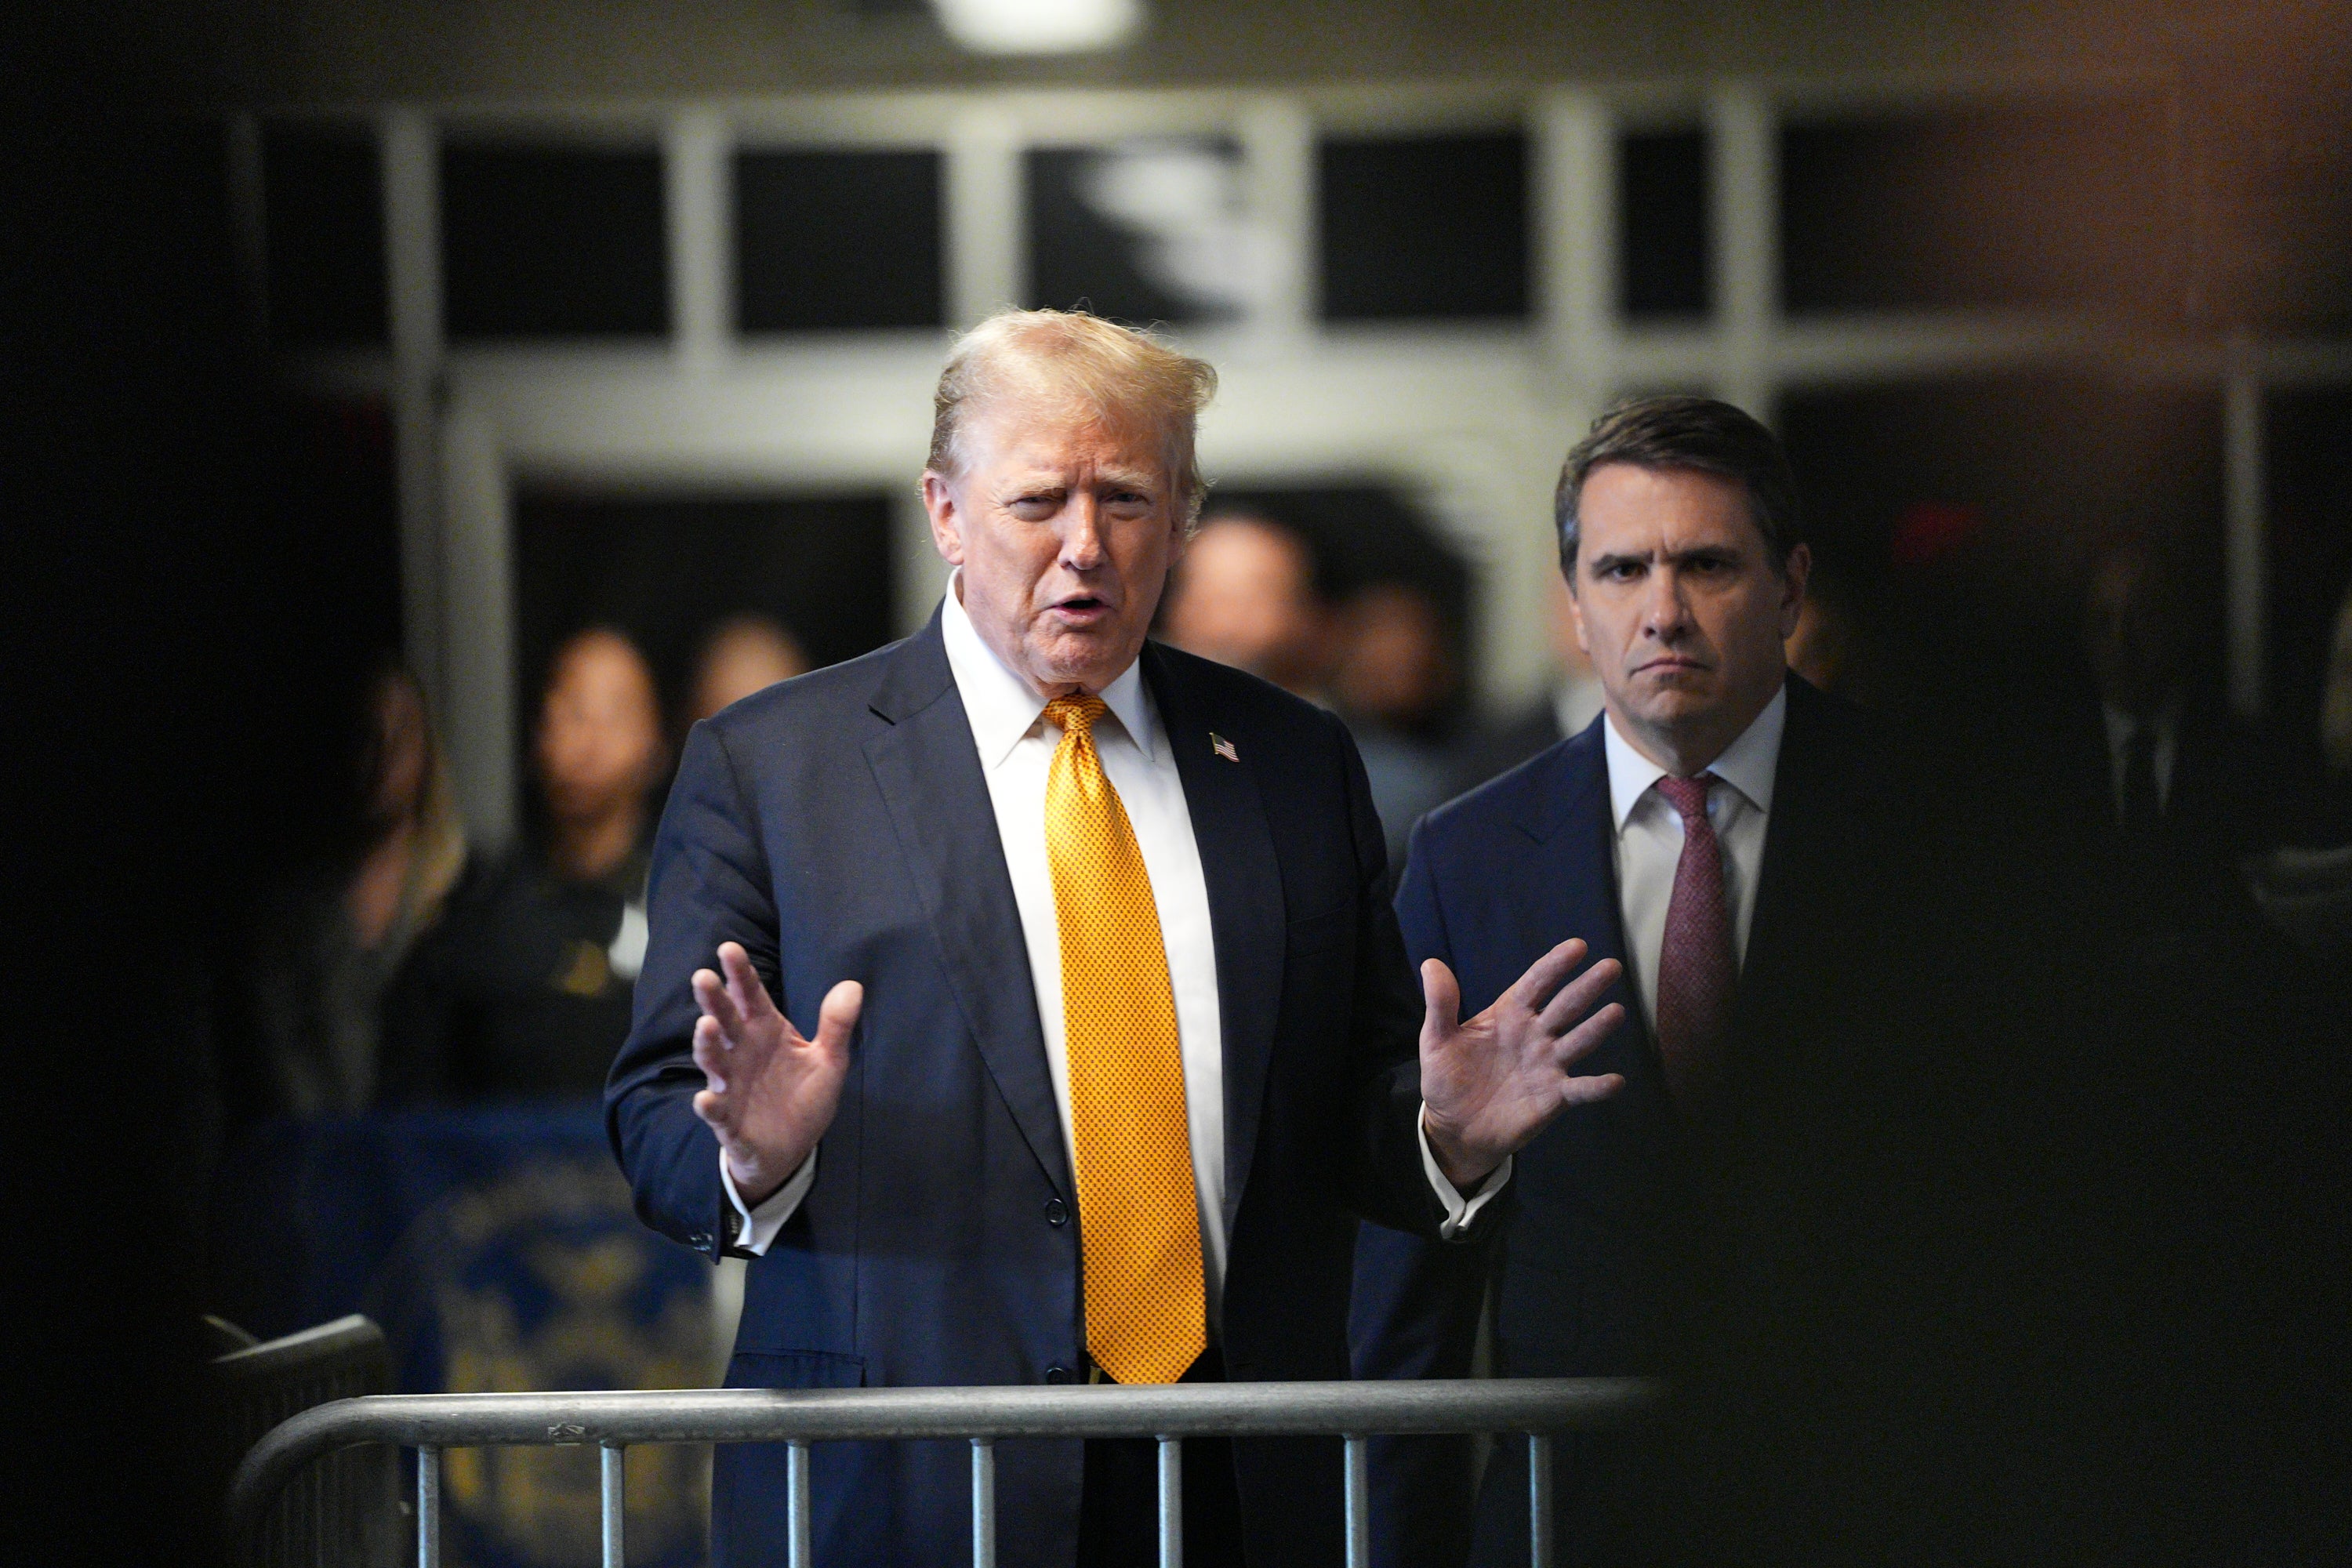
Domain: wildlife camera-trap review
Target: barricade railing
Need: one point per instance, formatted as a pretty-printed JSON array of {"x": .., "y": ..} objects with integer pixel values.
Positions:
[
  {"x": 1535, "y": 1409},
  {"x": 344, "y": 1508}
]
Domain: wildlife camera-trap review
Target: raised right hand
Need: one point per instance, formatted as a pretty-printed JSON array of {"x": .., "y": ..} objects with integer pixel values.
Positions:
[{"x": 771, "y": 1093}]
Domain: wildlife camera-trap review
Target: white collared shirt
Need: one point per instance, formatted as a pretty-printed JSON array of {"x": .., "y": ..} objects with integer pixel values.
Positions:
[
  {"x": 1016, "y": 745},
  {"x": 2122, "y": 727},
  {"x": 1649, "y": 837}
]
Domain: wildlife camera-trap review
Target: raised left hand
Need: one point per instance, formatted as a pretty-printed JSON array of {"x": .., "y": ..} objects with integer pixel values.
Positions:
[{"x": 1490, "y": 1084}]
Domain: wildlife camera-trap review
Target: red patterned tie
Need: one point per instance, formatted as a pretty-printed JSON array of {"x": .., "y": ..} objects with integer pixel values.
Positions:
[{"x": 1698, "y": 974}]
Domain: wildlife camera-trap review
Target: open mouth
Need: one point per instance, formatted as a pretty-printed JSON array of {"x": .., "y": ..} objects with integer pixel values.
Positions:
[{"x": 1083, "y": 608}]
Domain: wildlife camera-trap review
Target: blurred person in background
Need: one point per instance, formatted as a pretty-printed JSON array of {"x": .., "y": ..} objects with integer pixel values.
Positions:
[
  {"x": 1247, "y": 594},
  {"x": 2187, "y": 789},
  {"x": 743, "y": 654},
  {"x": 328, "y": 951},
  {"x": 1571, "y": 701},
  {"x": 1827, "y": 649},
  {"x": 524, "y": 991},
  {"x": 2206, "y": 1253},
  {"x": 1395, "y": 680}
]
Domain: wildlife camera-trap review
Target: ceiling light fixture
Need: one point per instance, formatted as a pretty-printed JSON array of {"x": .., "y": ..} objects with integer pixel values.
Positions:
[{"x": 1039, "y": 27}]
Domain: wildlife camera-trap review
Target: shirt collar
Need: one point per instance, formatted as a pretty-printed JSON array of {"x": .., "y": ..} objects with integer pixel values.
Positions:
[
  {"x": 2123, "y": 726},
  {"x": 1003, "y": 708},
  {"x": 1747, "y": 764}
]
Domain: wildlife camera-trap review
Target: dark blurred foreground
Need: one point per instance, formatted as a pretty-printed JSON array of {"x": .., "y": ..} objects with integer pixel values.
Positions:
[{"x": 2057, "y": 1272}]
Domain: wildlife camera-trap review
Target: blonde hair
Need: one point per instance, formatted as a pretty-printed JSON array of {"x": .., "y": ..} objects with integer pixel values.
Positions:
[{"x": 1118, "y": 375}]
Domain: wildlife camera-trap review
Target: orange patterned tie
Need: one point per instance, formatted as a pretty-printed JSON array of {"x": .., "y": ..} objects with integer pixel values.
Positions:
[{"x": 1139, "y": 1213}]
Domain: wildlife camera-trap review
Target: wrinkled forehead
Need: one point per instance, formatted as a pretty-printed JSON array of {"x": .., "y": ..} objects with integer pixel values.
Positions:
[
  {"x": 1054, "y": 427},
  {"x": 1631, "y": 505}
]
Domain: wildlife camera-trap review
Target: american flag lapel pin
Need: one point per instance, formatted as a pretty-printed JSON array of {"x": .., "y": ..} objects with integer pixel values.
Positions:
[{"x": 1222, "y": 747}]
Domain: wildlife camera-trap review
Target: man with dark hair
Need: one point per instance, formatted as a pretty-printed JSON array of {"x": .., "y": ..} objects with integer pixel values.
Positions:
[
  {"x": 1686, "y": 436},
  {"x": 1719, "y": 833}
]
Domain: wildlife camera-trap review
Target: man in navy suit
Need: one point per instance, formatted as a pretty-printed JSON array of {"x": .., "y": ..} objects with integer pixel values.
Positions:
[
  {"x": 1718, "y": 832},
  {"x": 855, "y": 1058}
]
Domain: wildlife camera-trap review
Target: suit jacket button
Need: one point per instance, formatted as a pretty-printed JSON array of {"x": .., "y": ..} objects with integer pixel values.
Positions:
[
  {"x": 1056, "y": 1212},
  {"x": 701, "y": 1240},
  {"x": 1058, "y": 1373}
]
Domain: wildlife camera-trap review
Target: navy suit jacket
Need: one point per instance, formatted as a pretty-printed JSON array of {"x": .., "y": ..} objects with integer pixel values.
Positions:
[
  {"x": 839, "y": 826},
  {"x": 1593, "y": 1274}
]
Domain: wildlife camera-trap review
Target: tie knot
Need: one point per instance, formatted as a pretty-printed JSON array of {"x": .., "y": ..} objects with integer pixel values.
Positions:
[
  {"x": 1075, "y": 714},
  {"x": 1687, "y": 796}
]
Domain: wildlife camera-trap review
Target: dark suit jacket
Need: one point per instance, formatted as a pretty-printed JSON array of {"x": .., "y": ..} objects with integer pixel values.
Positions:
[
  {"x": 2233, "y": 792},
  {"x": 839, "y": 826},
  {"x": 1609, "y": 1242}
]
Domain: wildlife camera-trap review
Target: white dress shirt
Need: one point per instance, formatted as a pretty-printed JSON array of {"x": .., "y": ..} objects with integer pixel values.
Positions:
[
  {"x": 2121, "y": 729},
  {"x": 1016, "y": 744},
  {"x": 1649, "y": 840}
]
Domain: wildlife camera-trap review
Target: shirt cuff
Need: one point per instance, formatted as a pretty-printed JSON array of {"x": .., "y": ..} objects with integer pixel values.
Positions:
[
  {"x": 1460, "y": 1212},
  {"x": 762, "y": 1225}
]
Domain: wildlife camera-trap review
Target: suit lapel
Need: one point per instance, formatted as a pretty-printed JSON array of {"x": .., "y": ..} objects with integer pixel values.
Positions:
[
  {"x": 928, "y": 770},
  {"x": 1574, "y": 892},
  {"x": 1246, "y": 907}
]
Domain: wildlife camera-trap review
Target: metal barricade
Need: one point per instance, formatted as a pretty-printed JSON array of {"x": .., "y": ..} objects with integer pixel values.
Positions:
[
  {"x": 345, "y": 1509},
  {"x": 1355, "y": 1412}
]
